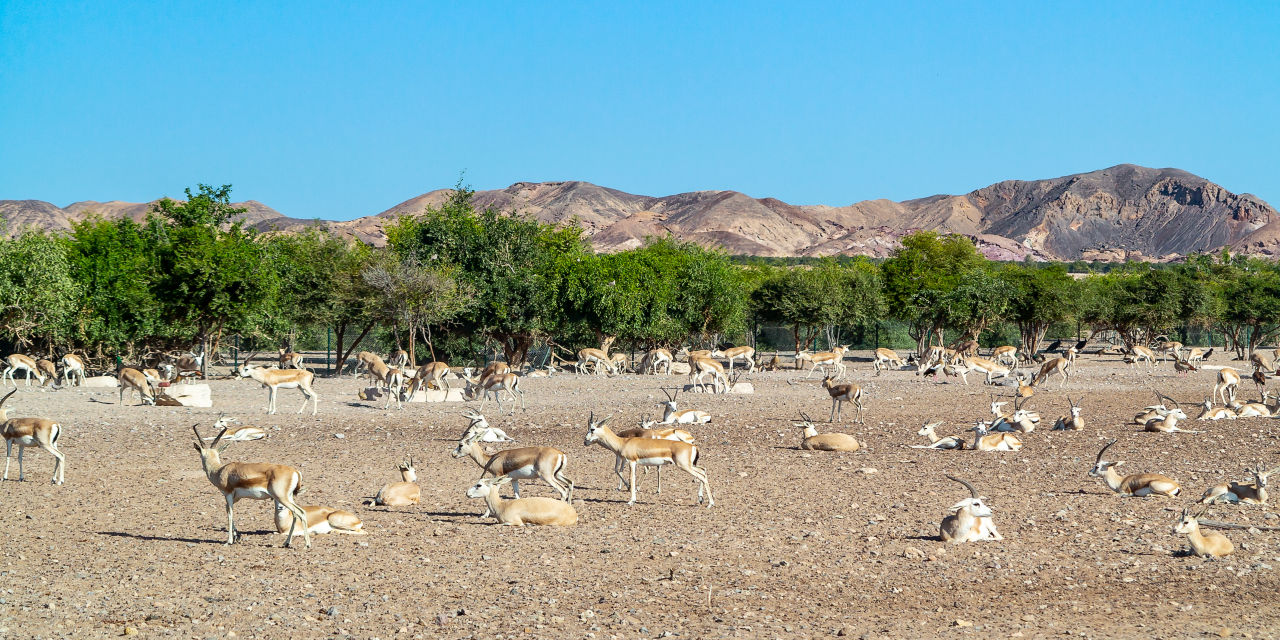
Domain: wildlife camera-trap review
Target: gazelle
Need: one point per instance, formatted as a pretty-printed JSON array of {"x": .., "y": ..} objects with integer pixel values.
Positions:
[
  {"x": 398, "y": 358},
  {"x": 840, "y": 394},
  {"x": 672, "y": 415},
  {"x": 646, "y": 430},
  {"x": 1137, "y": 484},
  {"x": 31, "y": 432},
  {"x": 597, "y": 357},
  {"x": 522, "y": 511},
  {"x": 833, "y": 358},
  {"x": 1056, "y": 365},
  {"x": 1022, "y": 421},
  {"x": 811, "y": 440},
  {"x": 1005, "y": 355},
  {"x": 290, "y": 359},
  {"x": 648, "y": 452},
  {"x": 969, "y": 520},
  {"x": 1235, "y": 492},
  {"x": 748, "y": 354},
  {"x": 253, "y": 480},
  {"x": 689, "y": 355},
  {"x": 431, "y": 373},
  {"x": 700, "y": 368},
  {"x": 1196, "y": 355},
  {"x": 1260, "y": 362},
  {"x": 656, "y": 359},
  {"x": 1210, "y": 412},
  {"x": 939, "y": 442},
  {"x": 1140, "y": 353},
  {"x": 1169, "y": 349},
  {"x": 991, "y": 369},
  {"x": 484, "y": 432},
  {"x": 321, "y": 520},
  {"x": 884, "y": 358},
  {"x": 984, "y": 440},
  {"x": 276, "y": 379},
  {"x": 1228, "y": 382},
  {"x": 403, "y": 493},
  {"x": 494, "y": 385},
  {"x": 189, "y": 365},
  {"x": 493, "y": 368},
  {"x": 50, "y": 372},
  {"x": 72, "y": 370},
  {"x": 1072, "y": 421},
  {"x": 525, "y": 463},
  {"x": 1167, "y": 422},
  {"x": 19, "y": 362},
  {"x": 1211, "y": 545},
  {"x": 133, "y": 380}
]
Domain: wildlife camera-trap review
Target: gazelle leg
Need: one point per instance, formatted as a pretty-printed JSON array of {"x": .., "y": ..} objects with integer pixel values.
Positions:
[
  {"x": 231, "y": 521},
  {"x": 21, "y": 450},
  {"x": 565, "y": 481},
  {"x": 8, "y": 455},
  {"x": 632, "y": 463},
  {"x": 659, "y": 478},
  {"x": 58, "y": 463}
]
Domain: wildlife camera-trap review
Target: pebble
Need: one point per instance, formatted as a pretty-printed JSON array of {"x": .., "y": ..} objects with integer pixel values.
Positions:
[
  {"x": 962, "y": 623},
  {"x": 331, "y": 611}
]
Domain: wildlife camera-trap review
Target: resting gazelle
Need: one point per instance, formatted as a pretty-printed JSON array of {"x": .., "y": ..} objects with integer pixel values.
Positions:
[
  {"x": 969, "y": 519},
  {"x": 1136, "y": 484},
  {"x": 811, "y": 440}
]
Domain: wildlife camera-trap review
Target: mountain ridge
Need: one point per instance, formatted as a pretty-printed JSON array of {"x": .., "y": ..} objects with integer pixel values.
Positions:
[{"x": 1117, "y": 213}]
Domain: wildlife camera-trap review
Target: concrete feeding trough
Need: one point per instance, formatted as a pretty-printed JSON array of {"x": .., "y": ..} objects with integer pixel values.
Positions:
[
  {"x": 679, "y": 368},
  {"x": 185, "y": 395},
  {"x": 740, "y": 388},
  {"x": 437, "y": 395},
  {"x": 101, "y": 382}
]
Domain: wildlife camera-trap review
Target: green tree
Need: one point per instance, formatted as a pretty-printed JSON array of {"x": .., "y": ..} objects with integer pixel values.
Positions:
[
  {"x": 919, "y": 277},
  {"x": 207, "y": 207},
  {"x": 37, "y": 292},
  {"x": 115, "y": 263},
  {"x": 1039, "y": 297},
  {"x": 417, "y": 295}
]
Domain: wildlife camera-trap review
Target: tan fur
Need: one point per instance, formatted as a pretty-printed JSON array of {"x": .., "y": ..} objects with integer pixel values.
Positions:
[
  {"x": 840, "y": 394},
  {"x": 321, "y": 520},
  {"x": 733, "y": 353},
  {"x": 235, "y": 480},
  {"x": 403, "y": 493},
  {"x": 645, "y": 451},
  {"x": 811, "y": 440},
  {"x": 276, "y": 379},
  {"x": 1060, "y": 366},
  {"x": 19, "y": 362},
  {"x": 134, "y": 380},
  {"x": 31, "y": 432},
  {"x": 522, "y": 511},
  {"x": 1138, "y": 484},
  {"x": 1210, "y": 545},
  {"x": 700, "y": 368},
  {"x": 833, "y": 358},
  {"x": 884, "y": 358},
  {"x": 72, "y": 369},
  {"x": 524, "y": 463}
]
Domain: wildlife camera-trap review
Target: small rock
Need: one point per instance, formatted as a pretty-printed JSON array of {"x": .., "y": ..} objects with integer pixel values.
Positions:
[
  {"x": 331, "y": 611},
  {"x": 339, "y": 436},
  {"x": 1224, "y": 632},
  {"x": 962, "y": 623},
  {"x": 867, "y": 471},
  {"x": 130, "y": 631},
  {"x": 1028, "y": 618}
]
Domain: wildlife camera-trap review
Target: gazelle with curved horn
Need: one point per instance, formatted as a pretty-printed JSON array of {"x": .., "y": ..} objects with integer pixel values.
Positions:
[
  {"x": 1236, "y": 492},
  {"x": 1022, "y": 421},
  {"x": 31, "y": 432},
  {"x": 1136, "y": 484},
  {"x": 253, "y": 480},
  {"x": 1152, "y": 412},
  {"x": 494, "y": 385},
  {"x": 1210, "y": 545},
  {"x": 648, "y": 452},
  {"x": 1210, "y": 412},
  {"x": 939, "y": 442},
  {"x": 646, "y": 430},
  {"x": 969, "y": 520},
  {"x": 840, "y": 394},
  {"x": 19, "y": 362},
  {"x": 811, "y": 440},
  {"x": 525, "y": 463},
  {"x": 1228, "y": 382},
  {"x": 479, "y": 426},
  {"x": 244, "y": 433},
  {"x": 672, "y": 415},
  {"x": 1072, "y": 421},
  {"x": 276, "y": 379},
  {"x": 1168, "y": 423}
]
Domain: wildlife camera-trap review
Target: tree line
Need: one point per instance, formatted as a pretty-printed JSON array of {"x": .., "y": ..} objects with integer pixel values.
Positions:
[{"x": 457, "y": 280}]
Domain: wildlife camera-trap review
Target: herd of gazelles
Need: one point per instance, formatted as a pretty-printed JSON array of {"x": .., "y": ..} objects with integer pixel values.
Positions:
[{"x": 968, "y": 520}]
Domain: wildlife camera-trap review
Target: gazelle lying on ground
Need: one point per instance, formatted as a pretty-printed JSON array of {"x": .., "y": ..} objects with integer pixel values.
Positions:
[
  {"x": 648, "y": 452},
  {"x": 1072, "y": 421},
  {"x": 970, "y": 519},
  {"x": 522, "y": 511},
  {"x": 1168, "y": 422},
  {"x": 321, "y": 520},
  {"x": 243, "y": 433},
  {"x": 984, "y": 440},
  {"x": 672, "y": 415},
  {"x": 482, "y": 430},
  {"x": 1022, "y": 421},
  {"x": 253, "y": 480},
  {"x": 1210, "y": 412},
  {"x": 1235, "y": 492},
  {"x": 524, "y": 463},
  {"x": 403, "y": 493},
  {"x": 811, "y": 440},
  {"x": 30, "y": 432},
  {"x": 1210, "y": 545},
  {"x": 949, "y": 442},
  {"x": 1137, "y": 484}
]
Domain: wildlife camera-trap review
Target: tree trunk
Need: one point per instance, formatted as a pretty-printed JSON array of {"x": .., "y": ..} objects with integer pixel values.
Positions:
[
  {"x": 515, "y": 347},
  {"x": 413, "y": 334},
  {"x": 342, "y": 357},
  {"x": 426, "y": 337},
  {"x": 795, "y": 331}
]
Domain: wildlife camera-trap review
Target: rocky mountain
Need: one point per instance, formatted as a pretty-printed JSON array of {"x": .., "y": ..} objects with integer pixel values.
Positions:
[{"x": 1117, "y": 213}]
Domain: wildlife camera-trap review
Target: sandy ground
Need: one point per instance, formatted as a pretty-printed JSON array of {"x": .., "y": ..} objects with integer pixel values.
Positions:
[{"x": 799, "y": 544}]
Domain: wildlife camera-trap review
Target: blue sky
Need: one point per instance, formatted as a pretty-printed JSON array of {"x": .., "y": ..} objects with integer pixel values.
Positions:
[{"x": 338, "y": 110}]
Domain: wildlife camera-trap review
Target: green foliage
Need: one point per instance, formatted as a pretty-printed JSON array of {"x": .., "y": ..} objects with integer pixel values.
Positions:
[
  {"x": 826, "y": 295},
  {"x": 115, "y": 263},
  {"x": 209, "y": 207},
  {"x": 37, "y": 290},
  {"x": 921, "y": 281}
]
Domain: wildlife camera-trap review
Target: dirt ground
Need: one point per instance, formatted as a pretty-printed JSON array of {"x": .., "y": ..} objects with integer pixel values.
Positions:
[{"x": 799, "y": 544}]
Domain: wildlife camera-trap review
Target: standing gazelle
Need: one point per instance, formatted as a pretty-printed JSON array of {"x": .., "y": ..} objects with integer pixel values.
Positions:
[
  {"x": 733, "y": 353},
  {"x": 524, "y": 463},
  {"x": 1228, "y": 382},
  {"x": 253, "y": 480},
  {"x": 17, "y": 362},
  {"x": 648, "y": 452},
  {"x": 72, "y": 370},
  {"x": 884, "y": 358},
  {"x": 840, "y": 394},
  {"x": 30, "y": 432},
  {"x": 276, "y": 379},
  {"x": 133, "y": 380}
]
